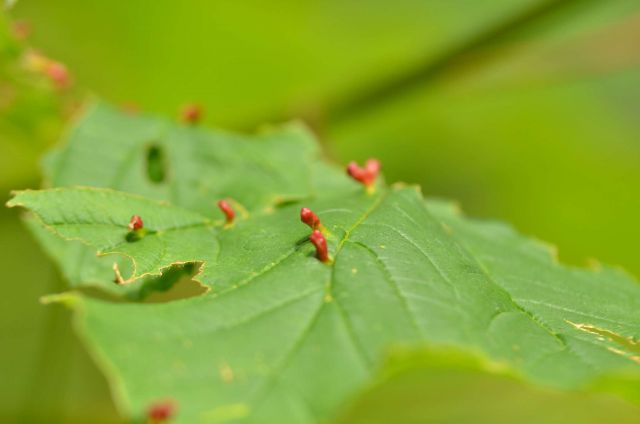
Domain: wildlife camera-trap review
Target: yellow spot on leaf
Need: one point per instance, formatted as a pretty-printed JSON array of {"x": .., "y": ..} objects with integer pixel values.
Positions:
[
  {"x": 226, "y": 373},
  {"x": 226, "y": 413}
]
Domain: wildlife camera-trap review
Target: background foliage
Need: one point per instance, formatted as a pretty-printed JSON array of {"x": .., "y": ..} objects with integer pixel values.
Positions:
[{"x": 523, "y": 110}]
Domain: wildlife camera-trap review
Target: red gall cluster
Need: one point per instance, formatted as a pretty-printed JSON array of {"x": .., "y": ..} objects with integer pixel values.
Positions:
[
  {"x": 366, "y": 175},
  {"x": 56, "y": 71},
  {"x": 161, "y": 411},
  {"x": 191, "y": 114},
  {"x": 316, "y": 238},
  {"x": 136, "y": 223},
  {"x": 228, "y": 211}
]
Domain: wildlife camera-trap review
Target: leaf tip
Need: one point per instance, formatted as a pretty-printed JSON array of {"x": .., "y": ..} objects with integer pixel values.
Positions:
[
  {"x": 68, "y": 299},
  {"x": 13, "y": 201}
]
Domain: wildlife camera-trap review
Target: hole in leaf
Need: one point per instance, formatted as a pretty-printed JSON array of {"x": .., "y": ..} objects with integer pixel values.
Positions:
[
  {"x": 175, "y": 283},
  {"x": 156, "y": 164}
]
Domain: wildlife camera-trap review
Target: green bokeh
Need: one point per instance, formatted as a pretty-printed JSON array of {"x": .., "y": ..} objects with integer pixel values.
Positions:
[
  {"x": 533, "y": 122},
  {"x": 521, "y": 110},
  {"x": 443, "y": 386}
]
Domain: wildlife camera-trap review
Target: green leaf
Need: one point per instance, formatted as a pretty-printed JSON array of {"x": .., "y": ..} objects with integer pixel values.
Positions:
[
  {"x": 589, "y": 310},
  {"x": 186, "y": 165},
  {"x": 282, "y": 337},
  {"x": 509, "y": 183},
  {"x": 197, "y": 167},
  {"x": 100, "y": 218}
]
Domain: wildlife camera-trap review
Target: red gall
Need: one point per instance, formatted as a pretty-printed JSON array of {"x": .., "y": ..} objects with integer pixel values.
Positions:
[
  {"x": 228, "y": 211},
  {"x": 372, "y": 166},
  {"x": 58, "y": 73},
  {"x": 366, "y": 175},
  {"x": 191, "y": 114},
  {"x": 136, "y": 223},
  {"x": 21, "y": 30},
  {"x": 320, "y": 243},
  {"x": 311, "y": 219},
  {"x": 161, "y": 411}
]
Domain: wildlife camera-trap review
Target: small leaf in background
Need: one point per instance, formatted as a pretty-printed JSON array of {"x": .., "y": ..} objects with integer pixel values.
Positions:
[{"x": 32, "y": 109}]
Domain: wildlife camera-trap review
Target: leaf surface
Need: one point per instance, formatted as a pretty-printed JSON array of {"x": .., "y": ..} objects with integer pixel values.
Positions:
[
  {"x": 282, "y": 337},
  {"x": 191, "y": 168}
]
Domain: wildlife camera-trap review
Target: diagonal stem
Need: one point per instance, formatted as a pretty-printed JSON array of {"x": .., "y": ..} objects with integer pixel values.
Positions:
[{"x": 430, "y": 70}]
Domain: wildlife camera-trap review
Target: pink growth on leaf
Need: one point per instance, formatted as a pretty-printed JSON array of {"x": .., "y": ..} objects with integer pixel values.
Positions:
[
  {"x": 308, "y": 217},
  {"x": 58, "y": 73},
  {"x": 366, "y": 175},
  {"x": 21, "y": 30},
  {"x": 228, "y": 211},
  {"x": 161, "y": 411},
  {"x": 136, "y": 223},
  {"x": 320, "y": 243},
  {"x": 191, "y": 114}
]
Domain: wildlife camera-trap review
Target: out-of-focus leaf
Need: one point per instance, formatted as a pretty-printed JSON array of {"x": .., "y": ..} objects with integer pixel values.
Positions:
[
  {"x": 32, "y": 110},
  {"x": 544, "y": 117},
  {"x": 47, "y": 375},
  {"x": 246, "y": 62},
  {"x": 445, "y": 386}
]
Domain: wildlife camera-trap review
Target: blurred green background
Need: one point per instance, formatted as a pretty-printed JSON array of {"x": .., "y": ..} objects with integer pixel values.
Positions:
[{"x": 526, "y": 111}]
